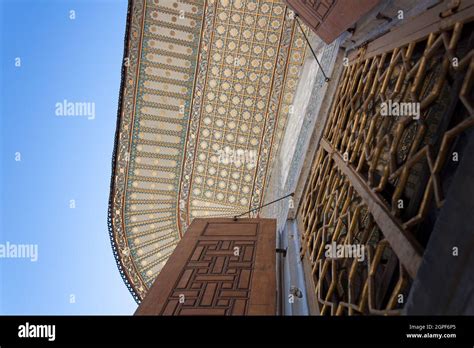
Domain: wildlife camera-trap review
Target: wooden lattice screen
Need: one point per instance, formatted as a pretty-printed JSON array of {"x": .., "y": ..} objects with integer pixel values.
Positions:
[{"x": 378, "y": 181}]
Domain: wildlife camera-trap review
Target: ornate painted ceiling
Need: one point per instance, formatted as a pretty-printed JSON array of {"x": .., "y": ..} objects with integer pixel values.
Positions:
[{"x": 205, "y": 96}]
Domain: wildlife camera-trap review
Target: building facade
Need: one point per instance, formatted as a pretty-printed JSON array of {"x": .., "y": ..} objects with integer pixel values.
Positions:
[{"x": 364, "y": 114}]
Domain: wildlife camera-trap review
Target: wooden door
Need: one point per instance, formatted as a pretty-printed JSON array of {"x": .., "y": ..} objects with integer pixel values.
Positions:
[
  {"x": 329, "y": 18},
  {"x": 220, "y": 267}
]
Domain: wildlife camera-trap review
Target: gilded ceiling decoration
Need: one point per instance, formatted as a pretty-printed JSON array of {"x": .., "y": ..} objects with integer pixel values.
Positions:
[{"x": 206, "y": 92}]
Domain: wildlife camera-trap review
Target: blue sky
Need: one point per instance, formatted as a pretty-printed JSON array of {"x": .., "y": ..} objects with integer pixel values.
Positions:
[{"x": 63, "y": 158}]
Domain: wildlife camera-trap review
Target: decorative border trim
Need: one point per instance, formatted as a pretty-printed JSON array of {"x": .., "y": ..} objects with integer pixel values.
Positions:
[
  {"x": 189, "y": 152},
  {"x": 113, "y": 242}
]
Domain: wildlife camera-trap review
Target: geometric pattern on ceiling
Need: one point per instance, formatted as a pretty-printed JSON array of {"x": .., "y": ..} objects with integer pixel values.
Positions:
[{"x": 205, "y": 96}]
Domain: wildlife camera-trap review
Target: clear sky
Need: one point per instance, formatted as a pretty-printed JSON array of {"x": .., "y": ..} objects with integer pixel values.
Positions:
[{"x": 63, "y": 158}]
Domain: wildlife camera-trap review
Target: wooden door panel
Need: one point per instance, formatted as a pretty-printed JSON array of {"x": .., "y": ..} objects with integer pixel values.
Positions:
[
  {"x": 220, "y": 267},
  {"x": 329, "y": 18}
]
